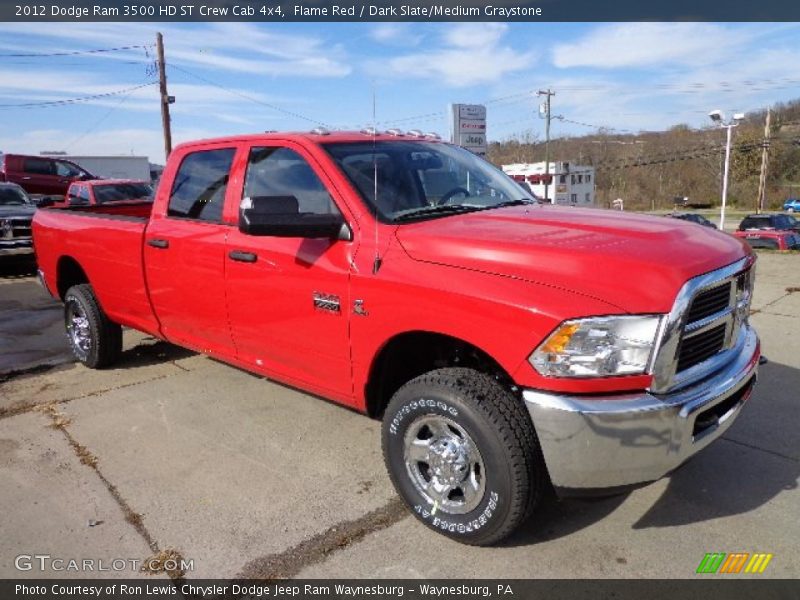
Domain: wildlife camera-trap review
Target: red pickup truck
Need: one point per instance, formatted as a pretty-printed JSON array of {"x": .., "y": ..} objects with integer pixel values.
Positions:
[
  {"x": 41, "y": 174},
  {"x": 105, "y": 191},
  {"x": 507, "y": 346}
]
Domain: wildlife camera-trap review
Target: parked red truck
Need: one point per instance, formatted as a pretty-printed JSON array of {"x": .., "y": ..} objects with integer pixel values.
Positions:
[
  {"x": 106, "y": 191},
  {"x": 43, "y": 175},
  {"x": 507, "y": 346}
]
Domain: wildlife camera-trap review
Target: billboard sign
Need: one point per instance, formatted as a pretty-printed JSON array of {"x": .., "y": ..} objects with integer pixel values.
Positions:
[{"x": 468, "y": 127}]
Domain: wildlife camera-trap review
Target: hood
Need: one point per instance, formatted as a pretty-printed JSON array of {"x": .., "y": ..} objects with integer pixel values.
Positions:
[
  {"x": 16, "y": 210},
  {"x": 635, "y": 262}
]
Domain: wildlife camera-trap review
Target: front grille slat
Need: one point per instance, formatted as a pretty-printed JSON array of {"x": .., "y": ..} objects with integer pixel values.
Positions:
[
  {"x": 696, "y": 349},
  {"x": 710, "y": 302}
]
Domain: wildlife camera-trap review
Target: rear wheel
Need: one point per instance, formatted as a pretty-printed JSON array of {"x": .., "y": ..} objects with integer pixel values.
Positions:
[
  {"x": 95, "y": 340},
  {"x": 790, "y": 209},
  {"x": 462, "y": 452}
]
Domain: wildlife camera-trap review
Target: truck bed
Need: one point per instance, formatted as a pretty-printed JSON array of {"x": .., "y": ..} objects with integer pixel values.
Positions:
[
  {"x": 133, "y": 209},
  {"x": 107, "y": 242}
]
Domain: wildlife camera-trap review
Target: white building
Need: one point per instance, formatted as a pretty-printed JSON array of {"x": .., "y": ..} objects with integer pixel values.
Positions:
[
  {"x": 110, "y": 167},
  {"x": 570, "y": 185}
]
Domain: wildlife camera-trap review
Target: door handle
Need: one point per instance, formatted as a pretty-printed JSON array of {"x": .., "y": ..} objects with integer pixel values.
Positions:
[
  {"x": 157, "y": 243},
  {"x": 26, "y": 178},
  {"x": 241, "y": 256}
]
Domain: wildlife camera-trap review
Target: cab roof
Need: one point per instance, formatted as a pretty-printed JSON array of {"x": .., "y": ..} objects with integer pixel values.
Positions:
[
  {"x": 111, "y": 181},
  {"x": 321, "y": 135}
]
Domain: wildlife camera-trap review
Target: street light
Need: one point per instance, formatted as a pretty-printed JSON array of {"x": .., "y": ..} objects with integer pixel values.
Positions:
[{"x": 718, "y": 118}]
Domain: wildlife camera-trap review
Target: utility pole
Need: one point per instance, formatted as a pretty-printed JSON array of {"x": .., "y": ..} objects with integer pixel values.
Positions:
[
  {"x": 166, "y": 99},
  {"x": 548, "y": 93},
  {"x": 762, "y": 180}
]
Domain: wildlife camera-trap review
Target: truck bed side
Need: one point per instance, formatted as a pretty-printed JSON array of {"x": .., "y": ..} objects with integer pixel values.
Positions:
[{"x": 105, "y": 244}]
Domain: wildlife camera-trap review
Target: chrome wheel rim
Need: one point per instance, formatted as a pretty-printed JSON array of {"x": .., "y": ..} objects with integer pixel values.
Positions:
[
  {"x": 444, "y": 464},
  {"x": 78, "y": 329}
]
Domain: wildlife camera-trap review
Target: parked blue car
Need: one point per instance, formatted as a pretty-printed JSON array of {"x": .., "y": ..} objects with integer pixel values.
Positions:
[{"x": 792, "y": 205}]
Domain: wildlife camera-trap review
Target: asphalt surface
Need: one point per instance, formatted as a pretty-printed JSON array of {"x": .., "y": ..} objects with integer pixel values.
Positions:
[{"x": 173, "y": 452}]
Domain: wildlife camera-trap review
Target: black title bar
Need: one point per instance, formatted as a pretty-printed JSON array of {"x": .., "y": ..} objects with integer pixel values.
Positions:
[
  {"x": 409, "y": 10},
  {"x": 701, "y": 588}
]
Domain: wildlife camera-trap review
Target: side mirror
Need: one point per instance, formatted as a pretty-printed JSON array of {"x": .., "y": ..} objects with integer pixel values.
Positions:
[{"x": 278, "y": 216}]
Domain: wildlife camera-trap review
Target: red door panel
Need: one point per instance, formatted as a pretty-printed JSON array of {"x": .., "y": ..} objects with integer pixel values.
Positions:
[
  {"x": 274, "y": 320},
  {"x": 186, "y": 280},
  {"x": 288, "y": 299}
]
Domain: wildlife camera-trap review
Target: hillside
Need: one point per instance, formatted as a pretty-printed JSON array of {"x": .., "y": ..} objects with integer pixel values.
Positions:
[{"x": 649, "y": 169}]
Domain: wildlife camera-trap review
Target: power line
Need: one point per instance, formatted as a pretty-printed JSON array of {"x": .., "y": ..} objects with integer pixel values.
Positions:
[
  {"x": 98, "y": 122},
  {"x": 75, "y": 52},
  {"x": 590, "y": 126},
  {"x": 247, "y": 97},
  {"x": 68, "y": 101}
]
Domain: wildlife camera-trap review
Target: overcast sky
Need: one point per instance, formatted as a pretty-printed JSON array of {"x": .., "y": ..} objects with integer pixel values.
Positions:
[{"x": 234, "y": 78}]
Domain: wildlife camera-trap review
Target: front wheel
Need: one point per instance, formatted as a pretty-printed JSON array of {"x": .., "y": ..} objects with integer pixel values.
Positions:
[
  {"x": 95, "y": 340},
  {"x": 462, "y": 453},
  {"x": 790, "y": 209}
]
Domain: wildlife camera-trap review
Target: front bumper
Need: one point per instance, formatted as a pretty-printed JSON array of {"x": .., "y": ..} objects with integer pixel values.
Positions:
[{"x": 598, "y": 442}]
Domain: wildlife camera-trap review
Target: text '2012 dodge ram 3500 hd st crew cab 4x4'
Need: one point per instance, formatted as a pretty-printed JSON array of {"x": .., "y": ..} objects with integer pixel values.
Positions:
[{"x": 507, "y": 346}]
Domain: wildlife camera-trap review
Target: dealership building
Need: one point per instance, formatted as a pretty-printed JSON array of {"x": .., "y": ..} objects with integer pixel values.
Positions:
[{"x": 567, "y": 184}]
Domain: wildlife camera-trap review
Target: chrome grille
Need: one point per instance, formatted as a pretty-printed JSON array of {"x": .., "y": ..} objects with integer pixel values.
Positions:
[
  {"x": 704, "y": 326},
  {"x": 15, "y": 228}
]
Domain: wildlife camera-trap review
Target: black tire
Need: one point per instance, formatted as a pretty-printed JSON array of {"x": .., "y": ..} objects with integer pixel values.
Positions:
[
  {"x": 512, "y": 469},
  {"x": 99, "y": 343}
]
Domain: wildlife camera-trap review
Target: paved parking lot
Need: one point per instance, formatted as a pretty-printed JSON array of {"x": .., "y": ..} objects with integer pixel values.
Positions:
[{"x": 171, "y": 451}]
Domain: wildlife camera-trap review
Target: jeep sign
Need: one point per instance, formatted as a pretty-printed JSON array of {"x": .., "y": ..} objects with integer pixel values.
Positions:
[{"x": 468, "y": 127}]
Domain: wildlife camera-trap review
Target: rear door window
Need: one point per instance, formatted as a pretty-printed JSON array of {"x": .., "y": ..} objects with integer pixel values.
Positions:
[
  {"x": 79, "y": 196},
  {"x": 38, "y": 166},
  {"x": 198, "y": 191}
]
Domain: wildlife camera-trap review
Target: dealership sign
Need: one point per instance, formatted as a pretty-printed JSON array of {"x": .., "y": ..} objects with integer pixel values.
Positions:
[{"x": 468, "y": 126}]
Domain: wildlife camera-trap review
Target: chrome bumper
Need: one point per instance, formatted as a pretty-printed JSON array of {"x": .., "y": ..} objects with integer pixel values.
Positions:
[
  {"x": 13, "y": 250},
  {"x": 592, "y": 442}
]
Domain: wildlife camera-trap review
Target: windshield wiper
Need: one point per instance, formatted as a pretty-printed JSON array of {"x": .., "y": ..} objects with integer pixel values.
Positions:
[
  {"x": 520, "y": 202},
  {"x": 439, "y": 210}
]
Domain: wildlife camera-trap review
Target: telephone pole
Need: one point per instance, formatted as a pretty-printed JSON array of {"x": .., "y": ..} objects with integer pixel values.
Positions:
[
  {"x": 548, "y": 93},
  {"x": 762, "y": 180},
  {"x": 166, "y": 99}
]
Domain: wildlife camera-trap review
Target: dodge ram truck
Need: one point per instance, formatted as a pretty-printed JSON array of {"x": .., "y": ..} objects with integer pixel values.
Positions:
[{"x": 509, "y": 347}]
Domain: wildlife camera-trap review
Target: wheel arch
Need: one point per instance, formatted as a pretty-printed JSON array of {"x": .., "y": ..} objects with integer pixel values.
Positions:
[
  {"x": 409, "y": 354},
  {"x": 69, "y": 272}
]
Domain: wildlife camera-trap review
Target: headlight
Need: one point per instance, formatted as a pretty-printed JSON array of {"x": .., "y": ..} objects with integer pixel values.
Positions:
[{"x": 598, "y": 347}]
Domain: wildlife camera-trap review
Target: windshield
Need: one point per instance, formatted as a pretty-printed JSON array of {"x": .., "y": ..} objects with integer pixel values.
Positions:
[
  {"x": 407, "y": 180},
  {"x": 13, "y": 196},
  {"x": 756, "y": 223},
  {"x": 122, "y": 191}
]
